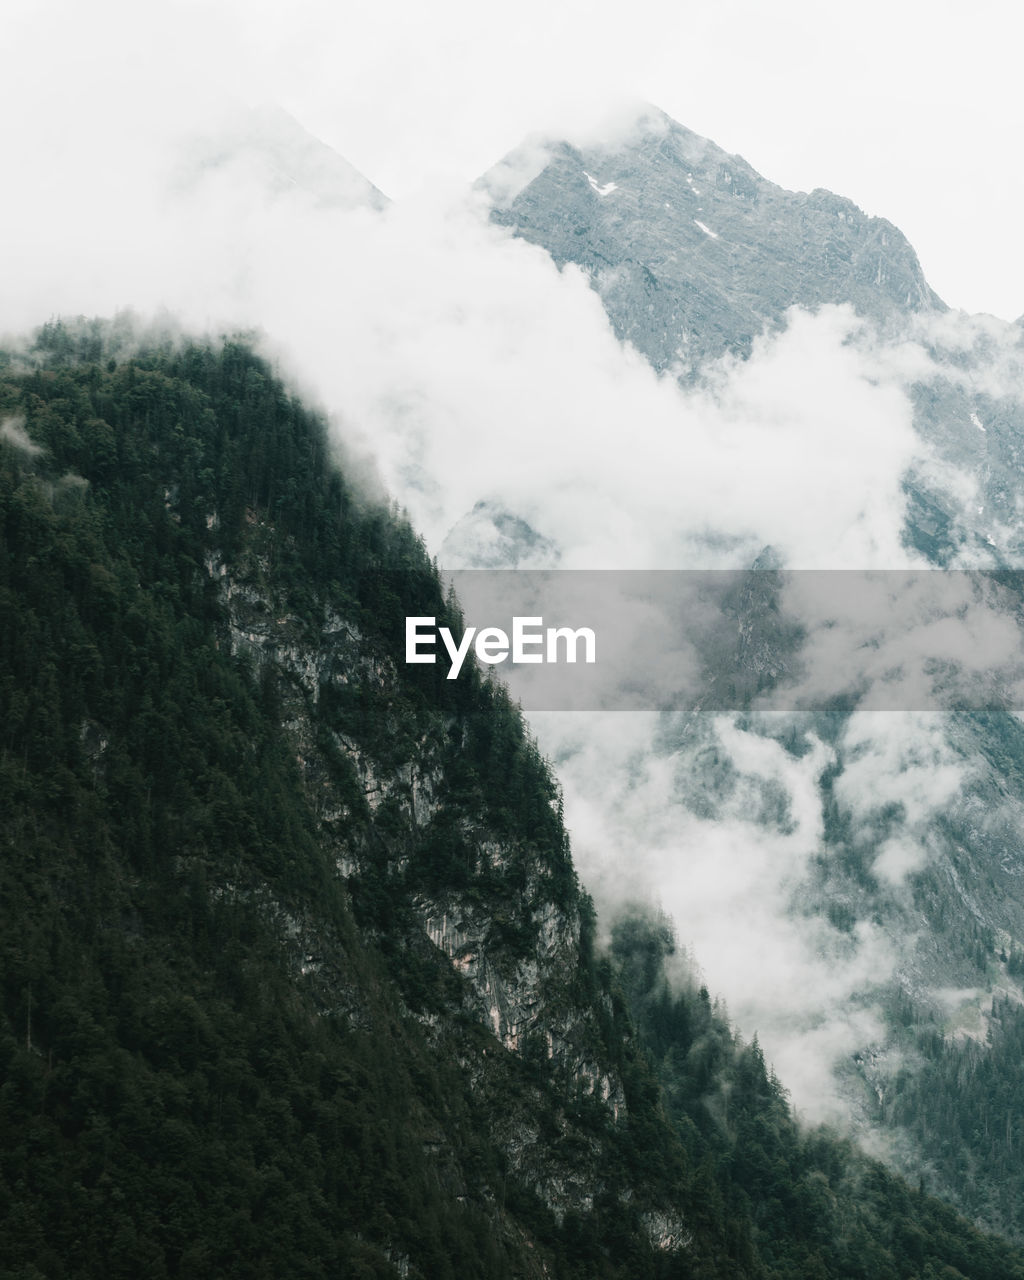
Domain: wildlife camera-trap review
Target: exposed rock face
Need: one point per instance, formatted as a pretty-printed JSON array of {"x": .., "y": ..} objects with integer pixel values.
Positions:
[
  {"x": 693, "y": 252},
  {"x": 517, "y": 948}
]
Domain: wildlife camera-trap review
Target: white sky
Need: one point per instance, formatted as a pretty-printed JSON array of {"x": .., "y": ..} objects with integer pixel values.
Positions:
[{"x": 911, "y": 110}]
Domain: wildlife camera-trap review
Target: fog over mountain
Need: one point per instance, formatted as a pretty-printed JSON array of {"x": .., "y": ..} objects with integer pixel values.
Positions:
[
  {"x": 300, "y": 977},
  {"x": 643, "y": 355},
  {"x": 846, "y": 438},
  {"x": 692, "y": 251},
  {"x": 270, "y": 148},
  {"x": 820, "y": 865}
]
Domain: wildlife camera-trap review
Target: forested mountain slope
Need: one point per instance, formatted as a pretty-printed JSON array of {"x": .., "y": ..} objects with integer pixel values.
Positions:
[{"x": 296, "y": 975}]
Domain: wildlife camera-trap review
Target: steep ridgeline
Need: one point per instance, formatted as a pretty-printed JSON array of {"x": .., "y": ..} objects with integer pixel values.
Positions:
[
  {"x": 296, "y": 975},
  {"x": 692, "y": 251},
  {"x": 694, "y": 254}
]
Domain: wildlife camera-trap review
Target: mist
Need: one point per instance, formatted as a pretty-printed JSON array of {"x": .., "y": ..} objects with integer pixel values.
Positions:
[{"x": 470, "y": 368}]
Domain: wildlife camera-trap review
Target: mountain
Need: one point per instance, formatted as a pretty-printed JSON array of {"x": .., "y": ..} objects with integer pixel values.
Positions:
[
  {"x": 692, "y": 252},
  {"x": 694, "y": 255},
  {"x": 492, "y": 537},
  {"x": 296, "y": 974},
  {"x": 268, "y": 146}
]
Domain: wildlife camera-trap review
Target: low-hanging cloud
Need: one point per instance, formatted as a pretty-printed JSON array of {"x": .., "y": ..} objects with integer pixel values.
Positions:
[
  {"x": 730, "y": 876},
  {"x": 12, "y": 429},
  {"x": 472, "y": 368}
]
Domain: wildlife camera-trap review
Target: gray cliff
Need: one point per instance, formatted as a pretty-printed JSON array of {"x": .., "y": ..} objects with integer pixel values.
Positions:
[{"x": 693, "y": 252}]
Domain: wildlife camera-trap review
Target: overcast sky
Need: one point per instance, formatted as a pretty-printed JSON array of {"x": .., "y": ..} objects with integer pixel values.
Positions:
[{"x": 911, "y": 110}]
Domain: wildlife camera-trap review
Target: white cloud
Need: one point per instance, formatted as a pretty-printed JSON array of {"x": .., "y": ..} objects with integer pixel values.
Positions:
[
  {"x": 897, "y": 859},
  {"x": 13, "y": 431},
  {"x": 902, "y": 759},
  {"x": 729, "y": 879}
]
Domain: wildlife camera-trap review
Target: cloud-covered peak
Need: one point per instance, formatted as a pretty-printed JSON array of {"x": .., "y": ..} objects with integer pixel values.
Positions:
[
  {"x": 270, "y": 146},
  {"x": 692, "y": 251}
]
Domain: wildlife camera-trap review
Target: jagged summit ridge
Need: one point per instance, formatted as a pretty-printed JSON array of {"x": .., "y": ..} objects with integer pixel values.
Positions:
[{"x": 692, "y": 251}]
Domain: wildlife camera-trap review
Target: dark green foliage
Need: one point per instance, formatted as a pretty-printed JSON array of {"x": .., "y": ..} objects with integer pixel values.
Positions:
[
  {"x": 792, "y": 1204},
  {"x": 962, "y": 1102},
  {"x": 173, "y": 1103}
]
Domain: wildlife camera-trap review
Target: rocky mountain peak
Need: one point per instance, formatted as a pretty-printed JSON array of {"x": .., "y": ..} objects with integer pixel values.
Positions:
[{"x": 692, "y": 251}]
